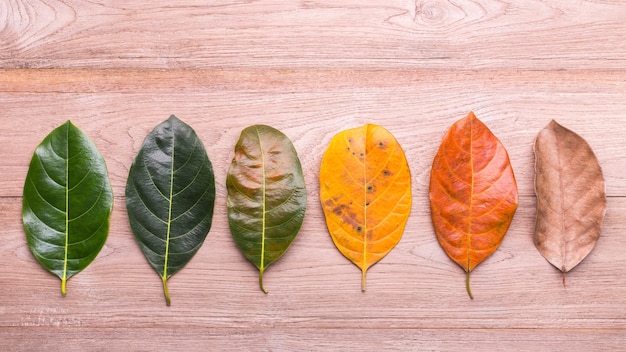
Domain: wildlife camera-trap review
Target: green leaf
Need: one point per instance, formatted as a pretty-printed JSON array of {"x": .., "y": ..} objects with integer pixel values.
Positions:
[
  {"x": 67, "y": 202},
  {"x": 170, "y": 194},
  {"x": 266, "y": 195}
]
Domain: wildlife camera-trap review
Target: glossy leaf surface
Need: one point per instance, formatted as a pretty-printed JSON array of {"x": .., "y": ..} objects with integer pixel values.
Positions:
[
  {"x": 571, "y": 199},
  {"x": 365, "y": 190},
  {"x": 266, "y": 195},
  {"x": 473, "y": 193},
  {"x": 67, "y": 202},
  {"x": 170, "y": 195}
]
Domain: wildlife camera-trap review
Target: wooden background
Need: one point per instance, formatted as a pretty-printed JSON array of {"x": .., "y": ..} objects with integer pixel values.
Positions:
[{"x": 312, "y": 68}]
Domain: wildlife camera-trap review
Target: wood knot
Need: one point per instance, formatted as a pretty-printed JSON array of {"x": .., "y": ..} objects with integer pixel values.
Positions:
[{"x": 432, "y": 13}]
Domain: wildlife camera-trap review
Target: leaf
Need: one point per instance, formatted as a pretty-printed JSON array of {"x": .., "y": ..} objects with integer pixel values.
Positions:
[
  {"x": 266, "y": 195},
  {"x": 571, "y": 199},
  {"x": 67, "y": 202},
  {"x": 473, "y": 193},
  {"x": 365, "y": 190},
  {"x": 170, "y": 195}
]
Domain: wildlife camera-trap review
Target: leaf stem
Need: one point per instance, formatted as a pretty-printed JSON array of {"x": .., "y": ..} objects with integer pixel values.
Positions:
[
  {"x": 166, "y": 291},
  {"x": 261, "y": 281},
  {"x": 467, "y": 285},
  {"x": 63, "y": 289},
  {"x": 563, "y": 272},
  {"x": 363, "y": 271}
]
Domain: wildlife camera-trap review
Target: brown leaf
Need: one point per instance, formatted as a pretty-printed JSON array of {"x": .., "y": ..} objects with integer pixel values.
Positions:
[
  {"x": 571, "y": 200},
  {"x": 473, "y": 193}
]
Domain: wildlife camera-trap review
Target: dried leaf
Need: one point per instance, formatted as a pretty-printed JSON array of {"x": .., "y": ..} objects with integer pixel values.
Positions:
[
  {"x": 266, "y": 195},
  {"x": 571, "y": 200},
  {"x": 365, "y": 190},
  {"x": 473, "y": 193}
]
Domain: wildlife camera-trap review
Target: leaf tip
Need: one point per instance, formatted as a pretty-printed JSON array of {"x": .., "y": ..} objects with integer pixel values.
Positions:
[
  {"x": 553, "y": 123},
  {"x": 173, "y": 118}
]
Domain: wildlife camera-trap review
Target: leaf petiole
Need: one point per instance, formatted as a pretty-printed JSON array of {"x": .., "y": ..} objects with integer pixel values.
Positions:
[
  {"x": 166, "y": 291},
  {"x": 261, "y": 281},
  {"x": 467, "y": 285},
  {"x": 363, "y": 272}
]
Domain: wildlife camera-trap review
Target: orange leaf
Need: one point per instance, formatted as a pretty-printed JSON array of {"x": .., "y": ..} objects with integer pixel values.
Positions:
[
  {"x": 365, "y": 190},
  {"x": 473, "y": 194}
]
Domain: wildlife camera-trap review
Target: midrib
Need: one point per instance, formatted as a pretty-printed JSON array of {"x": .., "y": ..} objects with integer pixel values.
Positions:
[
  {"x": 67, "y": 208},
  {"x": 471, "y": 203},
  {"x": 365, "y": 205},
  {"x": 169, "y": 215},
  {"x": 263, "y": 206}
]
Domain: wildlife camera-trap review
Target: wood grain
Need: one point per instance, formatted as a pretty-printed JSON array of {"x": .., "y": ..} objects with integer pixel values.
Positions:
[
  {"x": 478, "y": 34},
  {"x": 79, "y": 339},
  {"x": 311, "y": 69}
]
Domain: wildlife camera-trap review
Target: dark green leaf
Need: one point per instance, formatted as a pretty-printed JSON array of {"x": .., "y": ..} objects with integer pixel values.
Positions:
[
  {"x": 67, "y": 202},
  {"x": 266, "y": 195},
  {"x": 170, "y": 194}
]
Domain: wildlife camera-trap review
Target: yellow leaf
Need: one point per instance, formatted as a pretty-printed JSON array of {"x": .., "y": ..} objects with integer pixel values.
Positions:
[{"x": 365, "y": 190}]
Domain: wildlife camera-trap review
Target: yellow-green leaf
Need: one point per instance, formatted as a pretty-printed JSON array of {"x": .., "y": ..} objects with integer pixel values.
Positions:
[{"x": 266, "y": 195}]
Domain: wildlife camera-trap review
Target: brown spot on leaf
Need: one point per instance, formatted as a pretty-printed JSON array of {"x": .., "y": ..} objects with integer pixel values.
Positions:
[{"x": 338, "y": 210}]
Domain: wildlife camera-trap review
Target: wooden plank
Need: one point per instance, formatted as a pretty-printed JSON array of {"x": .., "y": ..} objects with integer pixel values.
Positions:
[
  {"x": 313, "y": 286},
  {"x": 119, "y": 110},
  {"x": 480, "y": 34},
  {"x": 125, "y": 80},
  {"x": 283, "y": 339}
]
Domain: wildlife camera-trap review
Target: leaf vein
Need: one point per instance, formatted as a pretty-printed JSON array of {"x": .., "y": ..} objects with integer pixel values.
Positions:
[
  {"x": 42, "y": 197},
  {"x": 145, "y": 206},
  {"x": 90, "y": 208},
  {"x": 43, "y": 167}
]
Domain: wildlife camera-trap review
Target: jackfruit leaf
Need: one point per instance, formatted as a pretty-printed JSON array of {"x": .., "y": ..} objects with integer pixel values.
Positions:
[
  {"x": 365, "y": 191},
  {"x": 473, "y": 193},
  {"x": 170, "y": 193},
  {"x": 67, "y": 202},
  {"x": 571, "y": 199},
  {"x": 266, "y": 195}
]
